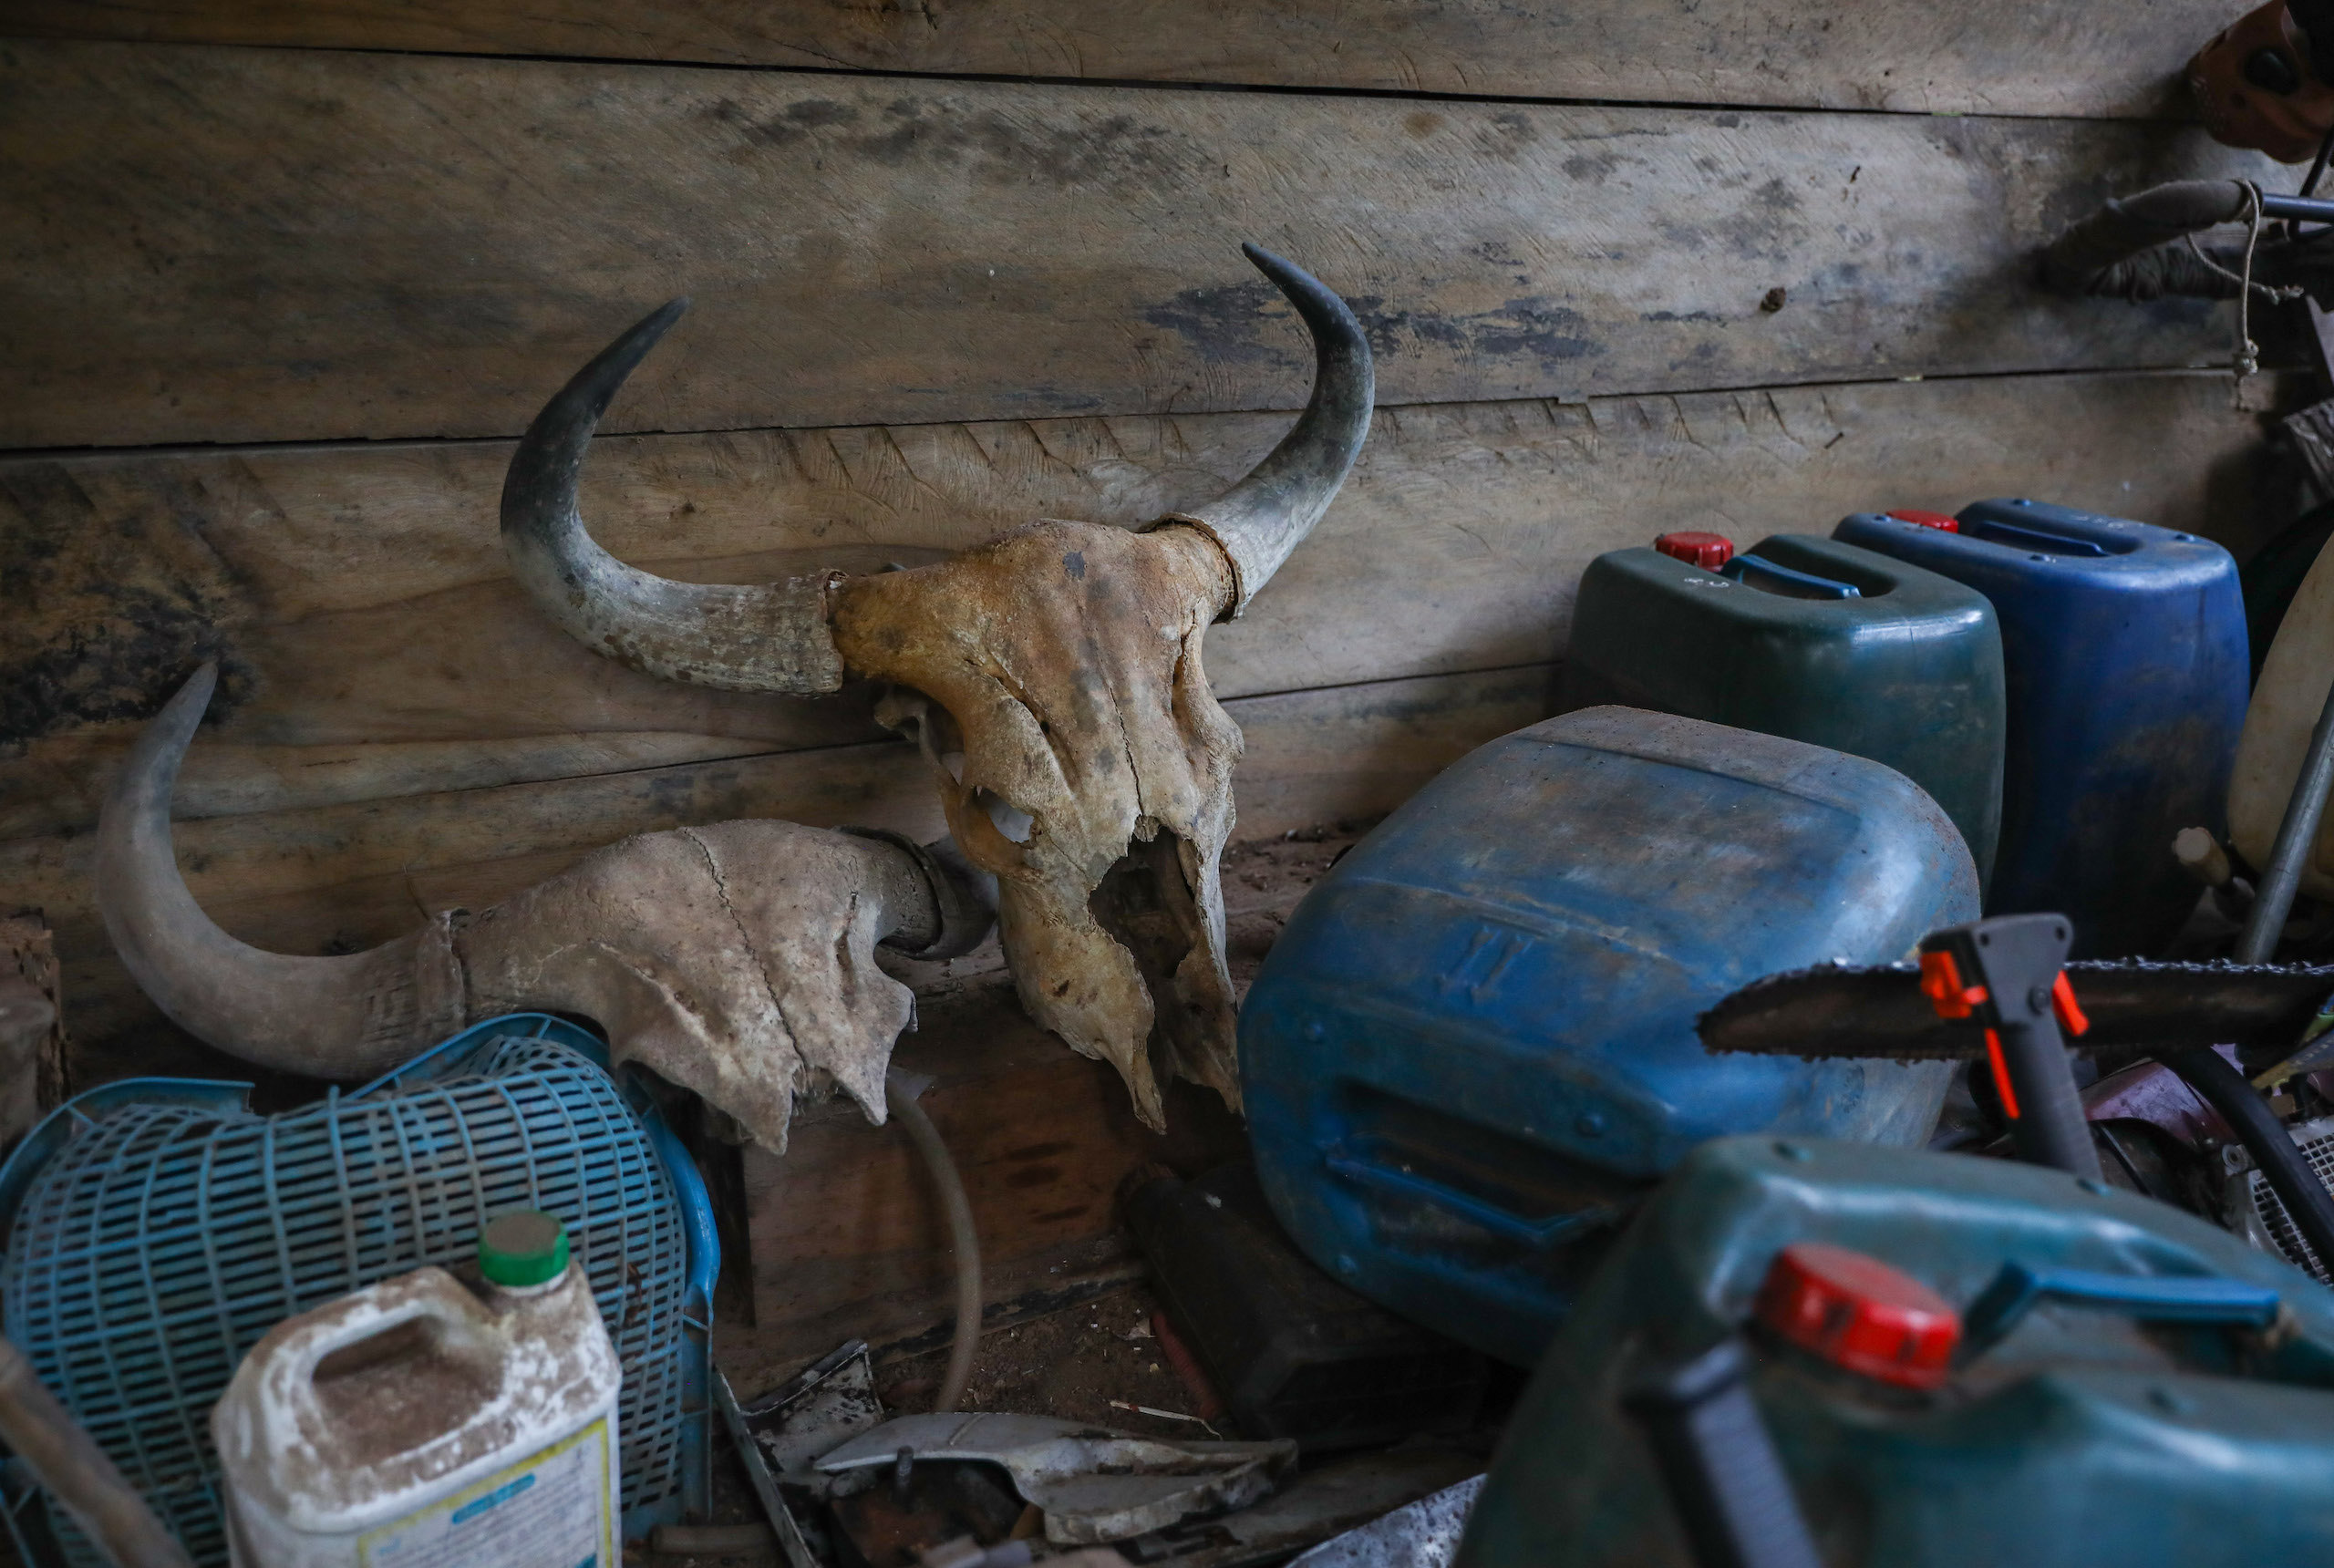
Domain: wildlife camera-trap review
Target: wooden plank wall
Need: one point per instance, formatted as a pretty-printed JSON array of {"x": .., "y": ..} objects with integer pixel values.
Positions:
[{"x": 284, "y": 280}]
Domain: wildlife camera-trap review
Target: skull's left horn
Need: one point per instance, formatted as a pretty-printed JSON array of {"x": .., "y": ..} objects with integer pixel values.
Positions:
[
  {"x": 771, "y": 637},
  {"x": 1267, "y": 514}
]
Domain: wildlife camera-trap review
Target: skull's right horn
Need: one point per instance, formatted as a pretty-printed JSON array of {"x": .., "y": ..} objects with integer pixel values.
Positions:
[{"x": 1269, "y": 514}]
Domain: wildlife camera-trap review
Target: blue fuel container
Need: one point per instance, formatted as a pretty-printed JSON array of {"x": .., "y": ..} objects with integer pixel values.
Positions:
[
  {"x": 2130, "y": 1384},
  {"x": 2127, "y": 674},
  {"x": 1471, "y": 1053}
]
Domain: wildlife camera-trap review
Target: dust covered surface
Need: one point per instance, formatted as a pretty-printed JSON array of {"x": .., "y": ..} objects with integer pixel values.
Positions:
[
  {"x": 1070, "y": 1364},
  {"x": 103, "y": 612}
]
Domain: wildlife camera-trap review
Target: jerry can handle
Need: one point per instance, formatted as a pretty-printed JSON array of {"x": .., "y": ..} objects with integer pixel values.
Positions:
[
  {"x": 1992, "y": 531},
  {"x": 1535, "y": 1234},
  {"x": 306, "y": 1346},
  {"x": 1786, "y": 581},
  {"x": 1718, "y": 1462},
  {"x": 2150, "y": 1298}
]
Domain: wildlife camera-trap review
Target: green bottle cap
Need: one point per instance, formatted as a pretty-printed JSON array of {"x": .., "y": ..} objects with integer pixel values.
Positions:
[{"x": 521, "y": 1248}]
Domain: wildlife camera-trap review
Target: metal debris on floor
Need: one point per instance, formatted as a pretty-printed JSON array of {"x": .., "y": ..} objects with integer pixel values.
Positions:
[{"x": 1094, "y": 1485}]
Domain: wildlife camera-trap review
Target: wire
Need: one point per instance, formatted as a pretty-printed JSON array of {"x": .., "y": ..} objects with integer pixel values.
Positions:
[{"x": 899, "y": 1095}]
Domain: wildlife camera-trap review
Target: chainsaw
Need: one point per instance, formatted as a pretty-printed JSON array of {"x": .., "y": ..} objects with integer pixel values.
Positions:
[
  {"x": 2136, "y": 1009},
  {"x": 2001, "y": 991}
]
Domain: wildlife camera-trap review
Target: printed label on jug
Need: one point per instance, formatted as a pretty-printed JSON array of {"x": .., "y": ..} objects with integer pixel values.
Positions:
[{"x": 550, "y": 1510}]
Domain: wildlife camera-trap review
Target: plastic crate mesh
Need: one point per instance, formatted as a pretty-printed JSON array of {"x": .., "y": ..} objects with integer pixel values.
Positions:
[
  {"x": 2271, "y": 1209},
  {"x": 157, "y": 1247}
]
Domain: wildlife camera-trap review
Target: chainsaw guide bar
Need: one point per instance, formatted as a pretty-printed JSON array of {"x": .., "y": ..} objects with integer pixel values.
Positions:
[{"x": 2137, "y": 1009}]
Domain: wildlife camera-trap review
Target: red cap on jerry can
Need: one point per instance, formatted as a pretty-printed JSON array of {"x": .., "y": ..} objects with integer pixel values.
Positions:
[
  {"x": 1935, "y": 519},
  {"x": 1707, "y": 550},
  {"x": 1859, "y": 1314}
]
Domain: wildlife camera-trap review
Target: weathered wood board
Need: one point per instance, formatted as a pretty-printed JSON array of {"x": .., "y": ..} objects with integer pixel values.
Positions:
[
  {"x": 843, "y": 1231},
  {"x": 846, "y": 1238},
  {"x": 375, "y": 645},
  {"x": 342, "y": 877},
  {"x": 32, "y": 1026},
  {"x": 1989, "y": 57},
  {"x": 232, "y": 244}
]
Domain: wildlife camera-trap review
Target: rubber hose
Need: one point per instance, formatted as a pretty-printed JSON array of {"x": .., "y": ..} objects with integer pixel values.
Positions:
[
  {"x": 2222, "y": 1087},
  {"x": 42, "y": 1434},
  {"x": 962, "y": 1238},
  {"x": 2121, "y": 230}
]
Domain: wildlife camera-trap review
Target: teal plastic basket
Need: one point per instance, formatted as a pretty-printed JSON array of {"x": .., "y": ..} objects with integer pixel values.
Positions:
[{"x": 157, "y": 1228}]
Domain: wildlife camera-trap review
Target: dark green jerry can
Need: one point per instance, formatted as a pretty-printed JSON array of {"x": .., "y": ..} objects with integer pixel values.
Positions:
[
  {"x": 1812, "y": 640},
  {"x": 2130, "y": 1386}
]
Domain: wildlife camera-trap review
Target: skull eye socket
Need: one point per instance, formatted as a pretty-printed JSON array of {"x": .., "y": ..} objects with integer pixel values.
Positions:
[{"x": 1009, "y": 819}]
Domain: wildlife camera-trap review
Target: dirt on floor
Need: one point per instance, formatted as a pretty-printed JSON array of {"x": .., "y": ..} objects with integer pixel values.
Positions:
[{"x": 1098, "y": 1363}]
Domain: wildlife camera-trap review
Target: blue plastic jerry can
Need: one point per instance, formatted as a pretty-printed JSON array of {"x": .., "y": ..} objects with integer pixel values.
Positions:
[
  {"x": 2125, "y": 651},
  {"x": 1471, "y": 1052},
  {"x": 2096, "y": 1378}
]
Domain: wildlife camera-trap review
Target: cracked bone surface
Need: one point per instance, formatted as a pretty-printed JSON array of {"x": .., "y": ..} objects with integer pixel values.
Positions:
[
  {"x": 1052, "y": 677},
  {"x": 736, "y": 959}
]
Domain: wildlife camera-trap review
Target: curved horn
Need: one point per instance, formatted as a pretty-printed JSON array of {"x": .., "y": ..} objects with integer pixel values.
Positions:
[
  {"x": 771, "y": 638},
  {"x": 1267, "y": 514},
  {"x": 327, "y": 1017}
]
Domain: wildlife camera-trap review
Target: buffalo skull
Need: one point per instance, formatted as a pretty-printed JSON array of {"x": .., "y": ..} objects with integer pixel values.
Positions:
[
  {"x": 1052, "y": 677},
  {"x": 737, "y": 959}
]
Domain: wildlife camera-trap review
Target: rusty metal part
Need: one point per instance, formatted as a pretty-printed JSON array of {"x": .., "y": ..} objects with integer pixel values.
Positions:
[
  {"x": 736, "y": 959},
  {"x": 2256, "y": 83},
  {"x": 921, "y": 1508},
  {"x": 2136, "y": 1008},
  {"x": 1094, "y": 1485}
]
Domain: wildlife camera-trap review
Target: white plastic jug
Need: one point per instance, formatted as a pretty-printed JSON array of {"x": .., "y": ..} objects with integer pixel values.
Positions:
[
  {"x": 422, "y": 1424},
  {"x": 2286, "y": 704}
]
